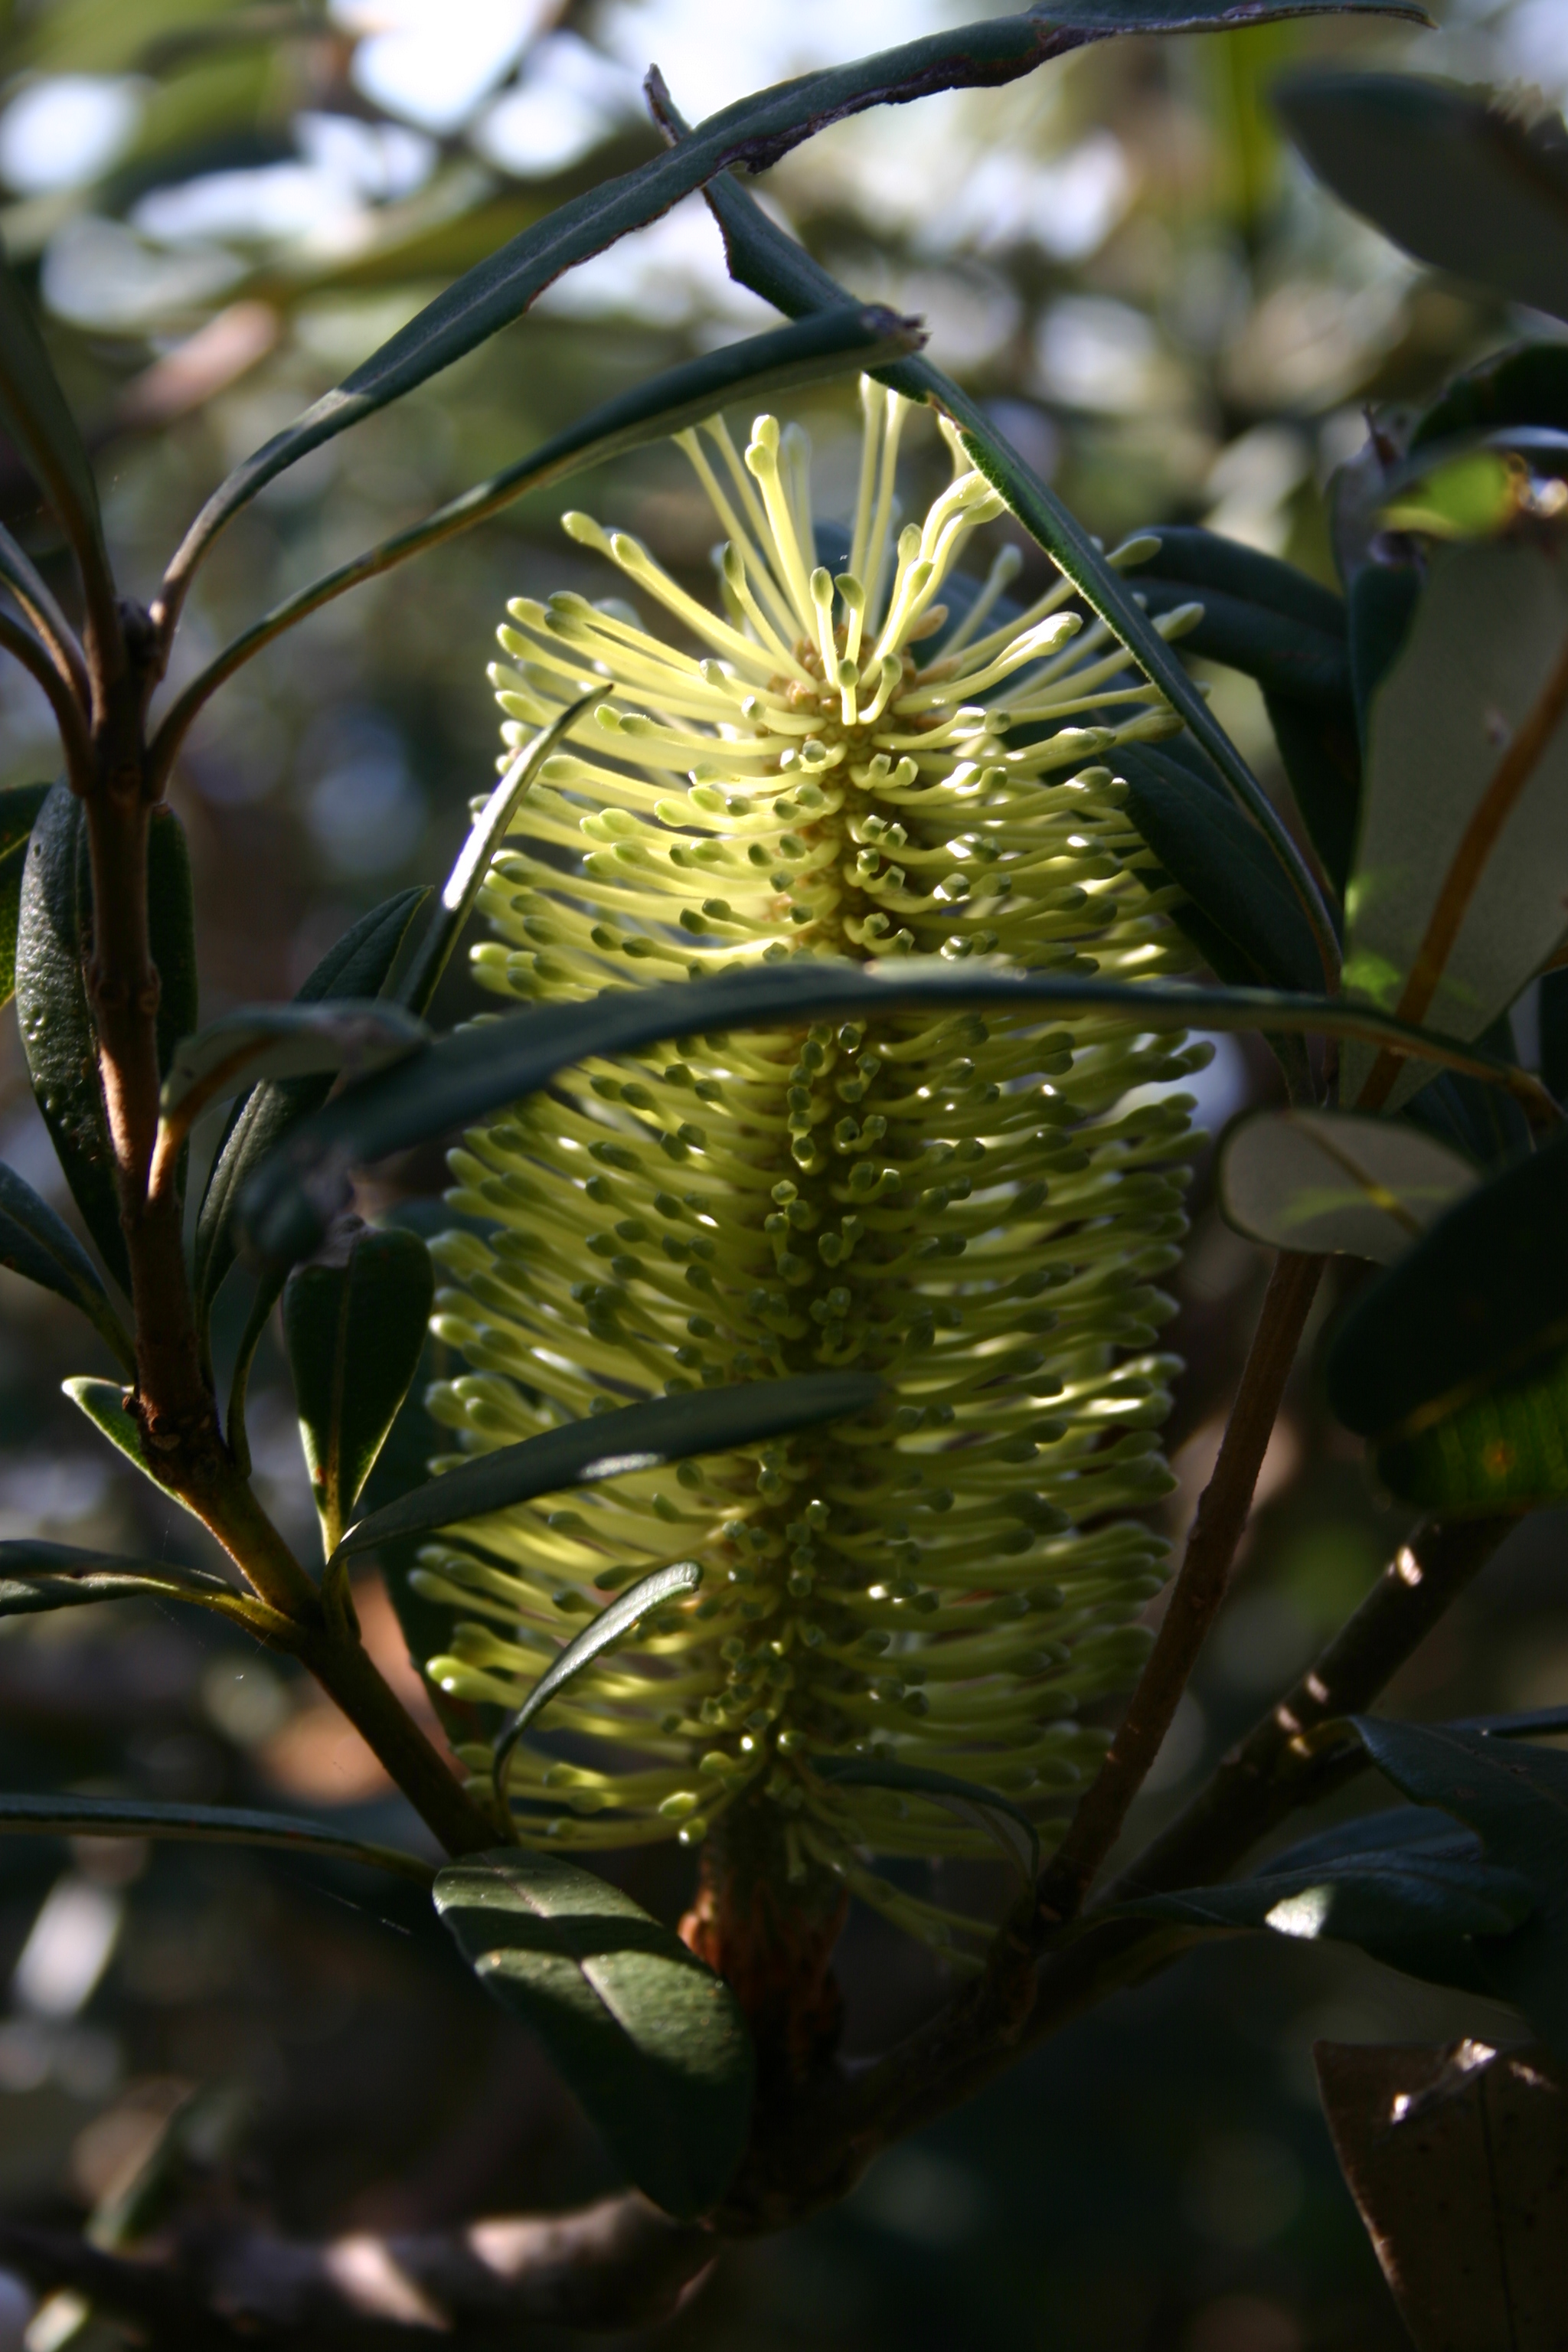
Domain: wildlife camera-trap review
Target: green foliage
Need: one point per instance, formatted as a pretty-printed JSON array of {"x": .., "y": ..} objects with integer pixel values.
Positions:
[
  {"x": 1458, "y": 177},
  {"x": 622, "y": 1616},
  {"x": 37, "y": 1244},
  {"x": 653, "y": 2042},
  {"x": 1516, "y": 1798},
  {"x": 1317, "y": 1180},
  {"x": 19, "y": 808},
  {"x": 56, "y": 1025},
  {"x": 142, "y": 1817},
  {"x": 1479, "y": 1300},
  {"x": 637, "y": 1437},
  {"x": 359, "y": 965},
  {"x": 35, "y": 1576},
  {"x": 1413, "y": 1900},
  {"x": 353, "y": 1323},
  {"x": 1238, "y": 908}
]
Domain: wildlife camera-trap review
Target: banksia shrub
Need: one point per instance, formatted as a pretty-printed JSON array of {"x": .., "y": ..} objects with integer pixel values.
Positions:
[{"x": 884, "y": 762}]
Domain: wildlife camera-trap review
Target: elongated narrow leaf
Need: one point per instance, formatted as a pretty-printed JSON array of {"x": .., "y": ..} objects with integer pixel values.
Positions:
[
  {"x": 42, "y": 1249},
  {"x": 1506, "y": 1450},
  {"x": 767, "y": 260},
  {"x": 1260, "y": 616},
  {"x": 968, "y": 1797},
  {"x": 38, "y": 423},
  {"x": 763, "y": 365},
  {"x": 1525, "y": 385},
  {"x": 637, "y": 1437},
  {"x": 1461, "y": 865},
  {"x": 358, "y": 964},
  {"x": 1375, "y": 1900},
  {"x": 36, "y": 1576},
  {"x": 627, "y": 1609},
  {"x": 354, "y": 1324},
  {"x": 1456, "y": 2158},
  {"x": 291, "y": 1199},
  {"x": 19, "y": 806},
  {"x": 1457, "y": 177},
  {"x": 463, "y": 885},
  {"x": 106, "y": 1406},
  {"x": 755, "y": 132},
  {"x": 651, "y": 2041},
  {"x": 1516, "y": 1797},
  {"x": 140, "y": 1817},
  {"x": 285, "y": 1040},
  {"x": 1482, "y": 1297},
  {"x": 57, "y": 1028},
  {"x": 1327, "y": 1181},
  {"x": 1251, "y": 927}
]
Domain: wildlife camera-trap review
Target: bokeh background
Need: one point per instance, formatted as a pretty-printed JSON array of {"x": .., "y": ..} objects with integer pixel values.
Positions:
[{"x": 224, "y": 207}]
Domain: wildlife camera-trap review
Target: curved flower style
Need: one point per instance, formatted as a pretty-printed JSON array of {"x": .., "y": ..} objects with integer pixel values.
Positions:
[{"x": 972, "y": 1210}]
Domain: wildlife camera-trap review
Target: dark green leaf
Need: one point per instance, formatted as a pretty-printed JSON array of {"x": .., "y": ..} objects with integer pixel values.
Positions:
[
  {"x": 764, "y": 365},
  {"x": 290, "y": 1200},
  {"x": 285, "y": 1040},
  {"x": 1483, "y": 1297},
  {"x": 943, "y": 1789},
  {"x": 624, "y": 1612},
  {"x": 1321, "y": 1180},
  {"x": 1504, "y": 1451},
  {"x": 38, "y": 423},
  {"x": 1380, "y": 1900},
  {"x": 1260, "y": 616},
  {"x": 756, "y": 130},
  {"x": 19, "y": 806},
  {"x": 358, "y": 965},
  {"x": 637, "y": 1437},
  {"x": 1516, "y": 1798},
  {"x": 651, "y": 2041},
  {"x": 1222, "y": 862},
  {"x": 416, "y": 986},
  {"x": 36, "y": 1576},
  {"x": 354, "y": 1324},
  {"x": 1457, "y": 177},
  {"x": 40, "y": 1246},
  {"x": 104, "y": 1404},
  {"x": 767, "y": 260},
  {"x": 57, "y": 1028},
  {"x": 1527, "y": 385},
  {"x": 138, "y": 1817},
  {"x": 1319, "y": 749}
]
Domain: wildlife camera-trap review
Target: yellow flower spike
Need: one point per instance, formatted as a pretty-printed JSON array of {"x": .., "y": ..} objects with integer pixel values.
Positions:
[{"x": 977, "y": 1212}]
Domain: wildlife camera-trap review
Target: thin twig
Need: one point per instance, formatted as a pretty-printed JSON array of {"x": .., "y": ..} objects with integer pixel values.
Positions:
[
  {"x": 25, "y": 647},
  {"x": 1488, "y": 818},
  {"x": 1276, "y": 1768},
  {"x": 1198, "y": 1594}
]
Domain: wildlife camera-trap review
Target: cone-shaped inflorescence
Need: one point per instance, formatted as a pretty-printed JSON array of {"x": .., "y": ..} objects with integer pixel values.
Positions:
[{"x": 973, "y": 1209}]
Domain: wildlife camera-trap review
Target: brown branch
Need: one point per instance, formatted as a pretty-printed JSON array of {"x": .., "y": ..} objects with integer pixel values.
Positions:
[
  {"x": 614, "y": 2265},
  {"x": 1276, "y": 1768},
  {"x": 1198, "y": 1594},
  {"x": 1488, "y": 818}
]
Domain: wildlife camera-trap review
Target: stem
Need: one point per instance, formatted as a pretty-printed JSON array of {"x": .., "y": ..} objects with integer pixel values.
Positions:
[
  {"x": 988, "y": 2024},
  {"x": 1277, "y": 1767},
  {"x": 1198, "y": 1594},
  {"x": 1490, "y": 813}
]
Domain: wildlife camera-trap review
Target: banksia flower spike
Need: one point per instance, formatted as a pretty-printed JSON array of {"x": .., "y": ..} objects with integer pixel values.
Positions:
[{"x": 976, "y": 1212}]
